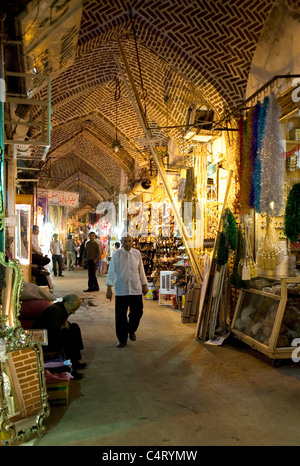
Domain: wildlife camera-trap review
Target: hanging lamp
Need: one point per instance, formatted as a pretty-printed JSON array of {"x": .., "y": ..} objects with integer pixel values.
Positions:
[{"x": 116, "y": 145}]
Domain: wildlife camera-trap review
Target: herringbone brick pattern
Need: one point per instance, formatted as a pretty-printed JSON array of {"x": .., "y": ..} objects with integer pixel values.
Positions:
[{"x": 189, "y": 52}]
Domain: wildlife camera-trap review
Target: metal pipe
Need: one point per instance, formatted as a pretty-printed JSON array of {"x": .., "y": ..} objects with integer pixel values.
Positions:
[
  {"x": 140, "y": 113},
  {"x": 2, "y": 192}
]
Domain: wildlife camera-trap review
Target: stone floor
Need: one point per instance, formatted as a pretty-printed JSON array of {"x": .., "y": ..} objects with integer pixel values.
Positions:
[{"x": 168, "y": 389}]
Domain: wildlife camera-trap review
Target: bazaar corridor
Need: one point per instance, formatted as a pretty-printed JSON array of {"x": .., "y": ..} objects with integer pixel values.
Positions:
[{"x": 166, "y": 388}]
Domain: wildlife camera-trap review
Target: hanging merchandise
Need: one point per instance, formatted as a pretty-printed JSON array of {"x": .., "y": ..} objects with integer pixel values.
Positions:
[
  {"x": 235, "y": 278},
  {"x": 223, "y": 250},
  {"x": 292, "y": 214},
  {"x": 240, "y": 150},
  {"x": 272, "y": 162},
  {"x": 227, "y": 239},
  {"x": 256, "y": 179},
  {"x": 270, "y": 254},
  {"x": 247, "y": 264},
  {"x": 245, "y": 165},
  {"x": 253, "y": 149},
  {"x": 190, "y": 185},
  {"x": 230, "y": 228}
]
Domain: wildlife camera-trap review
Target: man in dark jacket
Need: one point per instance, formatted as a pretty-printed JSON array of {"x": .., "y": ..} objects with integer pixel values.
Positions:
[
  {"x": 63, "y": 336},
  {"x": 91, "y": 256}
]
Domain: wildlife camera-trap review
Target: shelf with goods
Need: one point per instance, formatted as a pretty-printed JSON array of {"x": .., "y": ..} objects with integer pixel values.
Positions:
[
  {"x": 161, "y": 254},
  {"x": 267, "y": 316}
]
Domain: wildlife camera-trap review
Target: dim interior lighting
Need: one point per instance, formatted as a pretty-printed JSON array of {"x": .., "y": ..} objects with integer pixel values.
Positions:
[{"x": 116, "y": 145}]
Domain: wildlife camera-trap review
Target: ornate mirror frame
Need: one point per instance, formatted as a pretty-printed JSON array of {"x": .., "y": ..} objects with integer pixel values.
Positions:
[{"x": 23, "y": 392}]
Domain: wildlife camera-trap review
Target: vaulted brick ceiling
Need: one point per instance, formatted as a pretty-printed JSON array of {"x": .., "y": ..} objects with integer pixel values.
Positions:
[{"x": 185, "y": 52}]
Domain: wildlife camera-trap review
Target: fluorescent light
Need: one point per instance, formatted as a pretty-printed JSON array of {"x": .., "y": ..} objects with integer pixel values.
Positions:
[
  {"x": 189, "y": 134},
  {"x": 202, "y": 137}
]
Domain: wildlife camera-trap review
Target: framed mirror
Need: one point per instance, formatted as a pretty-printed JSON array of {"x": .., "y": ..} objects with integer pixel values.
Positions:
[{"x": 23, "y": 392}]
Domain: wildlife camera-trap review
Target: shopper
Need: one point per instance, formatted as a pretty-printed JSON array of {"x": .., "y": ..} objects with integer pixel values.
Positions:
[
  {"x": 117, "y": 246},
  {"x": 38, "y": 260},
  {"x": 77, "y": 250},
  {"x": 56, "y": 250},
  {"x": 71, "y": 252},
  {"x": 82, "y": 246},
  {"x": 38, "y": 257},
  {"x": 63, "y": 336},
  {"x": 91, "y": 256},
  {"x": 126, "y": 273}
]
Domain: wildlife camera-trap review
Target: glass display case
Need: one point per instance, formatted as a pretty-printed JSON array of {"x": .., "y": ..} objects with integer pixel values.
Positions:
[{"x": 267, "y": 316}]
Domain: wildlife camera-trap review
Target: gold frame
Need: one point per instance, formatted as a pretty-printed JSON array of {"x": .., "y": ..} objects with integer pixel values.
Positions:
[{"x": 14, "y": 338}]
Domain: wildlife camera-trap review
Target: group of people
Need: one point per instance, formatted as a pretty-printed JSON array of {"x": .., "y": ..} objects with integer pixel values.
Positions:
[
  {"x": 86, "y": 254},
  {"x": 126, "y": 276}
]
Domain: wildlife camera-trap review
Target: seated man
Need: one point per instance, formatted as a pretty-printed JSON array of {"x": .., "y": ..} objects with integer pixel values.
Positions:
[
  {"x": 38, "y": 260},
  {"x": 38, "y": 257},
  {"x": 63, "y": 336}
]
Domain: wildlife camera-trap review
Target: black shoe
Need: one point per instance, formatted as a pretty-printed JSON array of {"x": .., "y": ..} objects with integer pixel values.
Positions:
[
  {"x": 132, "y": 336},
  {"x": 77, "y": 375},
  {"x": 79, "y": 365},
  {"x": 121, "y": 345},
  {"x": 60, "y": 275},
  {"x": 87, "y": 291}
]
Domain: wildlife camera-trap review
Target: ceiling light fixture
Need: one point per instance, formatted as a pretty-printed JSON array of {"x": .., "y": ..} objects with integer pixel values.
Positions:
[{"x": 116, "y": 145}]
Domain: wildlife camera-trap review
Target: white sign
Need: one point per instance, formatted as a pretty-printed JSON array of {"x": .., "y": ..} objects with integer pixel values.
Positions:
[{"x": 62, "y": 198}]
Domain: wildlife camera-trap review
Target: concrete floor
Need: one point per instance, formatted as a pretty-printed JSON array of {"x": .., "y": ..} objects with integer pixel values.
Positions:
[{"x": 167, "y": 389}]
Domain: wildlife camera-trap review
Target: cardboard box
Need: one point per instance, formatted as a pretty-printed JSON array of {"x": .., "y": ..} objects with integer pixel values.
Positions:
[{"x": 58, "y": 392}]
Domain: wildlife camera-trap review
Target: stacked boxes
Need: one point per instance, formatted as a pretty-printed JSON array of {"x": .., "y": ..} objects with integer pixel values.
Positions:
[{"x": 58, "y": 392}]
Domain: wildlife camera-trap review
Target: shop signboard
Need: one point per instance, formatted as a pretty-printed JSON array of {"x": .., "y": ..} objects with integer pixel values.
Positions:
[{"x": 59, "y": 198}]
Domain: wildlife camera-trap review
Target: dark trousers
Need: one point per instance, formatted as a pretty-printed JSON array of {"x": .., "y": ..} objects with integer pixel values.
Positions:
[
  {"x": 127, "y": 325},
  {"x": 72, "y": 342},
  {"x": 57, "y": 259},
  {"x": 68, "y": 344},
  {"x": 39, "y": 260},
  {"x": 92, "y": 277}
]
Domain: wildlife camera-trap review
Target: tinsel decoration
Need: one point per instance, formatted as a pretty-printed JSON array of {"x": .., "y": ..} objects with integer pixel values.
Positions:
[
  {"x": 272, "y": 163},
  {"x": 245, "y": 189},
  {"x": 223, "y": 250},
  {"x": 256, "y": 179},
  {"x": 253, "y": 151},
  {"x": 241, "y": 130},
  {"x": 230, "y": 228},
  {"x": 292, "y": 214}
]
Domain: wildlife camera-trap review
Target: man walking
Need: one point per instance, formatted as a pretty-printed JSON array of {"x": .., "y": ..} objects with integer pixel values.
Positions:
[
  {"x": 91, "y": 256},
  {"x": 71, "y": 252},
  {"x": 56, "y": 251},
  {"x": 126, "y": 273}
]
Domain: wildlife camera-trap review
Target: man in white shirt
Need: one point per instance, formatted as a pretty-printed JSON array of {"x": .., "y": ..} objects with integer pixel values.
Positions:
[
  {"x": 56, "y": 250},
  {"x": 37, "y": 254},
  {"x": 126, "y": 273}
]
